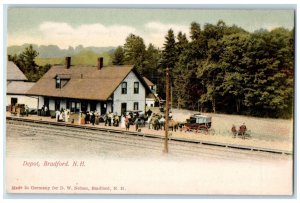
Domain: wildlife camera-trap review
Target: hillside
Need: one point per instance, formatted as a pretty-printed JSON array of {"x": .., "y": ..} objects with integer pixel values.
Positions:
[
  {"x": 53, "y": 51},
  {"x": 82, "y": 58}
]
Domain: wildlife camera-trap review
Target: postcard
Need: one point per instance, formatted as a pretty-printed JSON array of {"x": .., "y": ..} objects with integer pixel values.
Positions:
[{"x": 118, "y": 100}]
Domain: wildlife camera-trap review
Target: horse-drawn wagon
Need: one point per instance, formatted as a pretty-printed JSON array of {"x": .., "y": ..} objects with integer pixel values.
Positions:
[{"x": 199, "y": 123}]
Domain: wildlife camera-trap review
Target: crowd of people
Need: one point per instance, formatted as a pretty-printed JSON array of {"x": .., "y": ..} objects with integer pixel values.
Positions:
[
  {"x": 111, "y": 119},
  {"x": 62, "y": 115}
]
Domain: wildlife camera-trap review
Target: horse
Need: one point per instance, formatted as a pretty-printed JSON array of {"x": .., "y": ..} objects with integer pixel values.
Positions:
[{"x": 173, "y": 125}]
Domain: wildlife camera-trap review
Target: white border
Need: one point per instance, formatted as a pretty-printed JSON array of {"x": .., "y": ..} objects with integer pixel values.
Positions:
[{"x": 162, "y": 3}]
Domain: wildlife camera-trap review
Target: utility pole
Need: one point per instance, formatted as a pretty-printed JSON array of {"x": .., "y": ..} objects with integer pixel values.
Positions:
[{"x": 167, "y": 112}]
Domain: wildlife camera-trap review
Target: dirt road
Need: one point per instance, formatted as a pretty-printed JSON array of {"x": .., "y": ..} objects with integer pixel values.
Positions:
[{"x": 137, "y": 164}]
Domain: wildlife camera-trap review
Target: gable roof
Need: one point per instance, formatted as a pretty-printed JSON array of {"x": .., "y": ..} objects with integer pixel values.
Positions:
[
  {"x": 85, "y": 82},
  {"x": 19, "y": 87},
  {"x": 14, "y": 73},
  {"x": 148, "y": 82}
]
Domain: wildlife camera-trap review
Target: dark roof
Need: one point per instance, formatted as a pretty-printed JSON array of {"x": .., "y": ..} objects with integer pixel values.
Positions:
[
  {"x": 85, "y": 82},
  {"x": 19, "y": 87},
  {"x": 14, "y": 73},
  {"x": 148, "y": 82}
]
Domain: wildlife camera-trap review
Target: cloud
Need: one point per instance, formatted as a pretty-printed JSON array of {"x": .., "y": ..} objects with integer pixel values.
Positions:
[
  {"x": 163, "y": 28},
  {"x": 157, "y": 31},
  {"x": 64, "y": 35}
]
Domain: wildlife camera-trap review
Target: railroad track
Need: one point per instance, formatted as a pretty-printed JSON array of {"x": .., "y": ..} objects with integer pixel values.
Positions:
[
  {"x": 138, "y": 143},
  {"x": 117, "y": 135}
]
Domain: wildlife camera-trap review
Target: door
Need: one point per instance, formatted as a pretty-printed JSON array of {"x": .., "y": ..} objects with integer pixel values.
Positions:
[
  {"x": 57, "y": 104},
  {"x": 83, "y": 106},
  {"x": 46, "y": 102},
  {"x": 103, "y": 108},
  {"x": 13, "y": 101},
  {"x": 123, "y": 108},
  {"x": 93, "y": 106}
]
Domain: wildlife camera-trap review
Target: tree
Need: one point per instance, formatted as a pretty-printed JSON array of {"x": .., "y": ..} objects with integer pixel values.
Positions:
[
  {"x": 209, "y": 70},
  {"x": 270, "y": 89},
  {"x": 169, "y": 56},
  {"x": 234, "y": 64},
  {"x": 181, "y": 72},
  {"x": 151, "y": 63},
  {"x": 198, "y": 45},
  {"x": 118, "y": 56},
  {"x": 134, "y": 51},
  {"x": 181, "y": 44},
  {"x": 26, "y": 62},
  {"x": 26, "y": 58}
]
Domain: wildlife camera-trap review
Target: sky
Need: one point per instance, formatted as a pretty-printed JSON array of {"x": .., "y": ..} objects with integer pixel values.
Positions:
[{"x": 103, "y": 27}]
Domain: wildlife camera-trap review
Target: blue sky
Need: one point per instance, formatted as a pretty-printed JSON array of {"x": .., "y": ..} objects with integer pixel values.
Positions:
[{"x": 110, "y": 27}]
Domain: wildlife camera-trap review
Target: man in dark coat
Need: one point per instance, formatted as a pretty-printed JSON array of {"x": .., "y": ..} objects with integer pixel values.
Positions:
[{"x": 93, "y": 118}]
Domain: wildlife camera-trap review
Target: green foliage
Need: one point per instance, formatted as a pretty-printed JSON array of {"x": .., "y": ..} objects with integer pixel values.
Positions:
[
  {"x": 223, "y": 69},
  {"x": 118, "y": 56},
  {"x": 26, "y": 62},
  {"x": 135, "y": 51},
  {"x": 226, "y": 69},
  {"x": 220, "y": 68},
  {"x": 169, "y": 55}
]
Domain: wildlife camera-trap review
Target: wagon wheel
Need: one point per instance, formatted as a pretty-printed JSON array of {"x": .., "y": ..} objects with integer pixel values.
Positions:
[{"x": 203, "y": 131}]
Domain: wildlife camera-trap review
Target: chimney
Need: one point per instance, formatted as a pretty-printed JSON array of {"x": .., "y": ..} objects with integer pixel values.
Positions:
[
  {"x": 100, "y": 63},
  {"x": 68, "y": 62}
]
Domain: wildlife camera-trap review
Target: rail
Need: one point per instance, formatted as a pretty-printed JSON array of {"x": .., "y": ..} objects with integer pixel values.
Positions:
[{"x": 203, "y": 142}]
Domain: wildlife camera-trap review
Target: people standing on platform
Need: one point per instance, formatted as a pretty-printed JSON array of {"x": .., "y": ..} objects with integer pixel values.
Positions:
[
  {"x": 26, "y": 110},
  {"x": 93, "y": 118},
  {"x": 123, "y": 121},
  {"x": 82, "y": 118},
  {"x": 97, "y": 118},
  {"x": 87, "y": 118},
  {"x": 61, "y": 115},
  {"x": 106, "y": 118},
  {"x": 57, "y": 115},
  {"x": 68, "y": 115},
  {"x": 46, "y": 111},
  {"x": 127, "y": 122},
  {"x": 136, "y": 122},
  {"x": 43, "y": 110},
  {"x": 110, "y": 117}
]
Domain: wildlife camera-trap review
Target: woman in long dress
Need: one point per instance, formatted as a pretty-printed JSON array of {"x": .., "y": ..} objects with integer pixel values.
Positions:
[
  {"x": 97, "y": 118},
  {"x": 123, "y": 122}
]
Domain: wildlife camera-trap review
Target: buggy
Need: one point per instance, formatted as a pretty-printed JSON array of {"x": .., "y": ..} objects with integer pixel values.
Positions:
[{"x": 199, "y": 123}]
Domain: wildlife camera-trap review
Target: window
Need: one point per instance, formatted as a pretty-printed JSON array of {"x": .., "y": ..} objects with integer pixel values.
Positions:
[
  {"x": 93, "y": 105},
  {"x": 124, "y": 87},
  {"x": 135, "y": 106},
  {"x": 57, "y": 104},
  {"x": 136, "y": 88},
  {"x": 123, "y": 108},
  {"x": 13, "y": 101},
  {"x": 58, "y": 82}
]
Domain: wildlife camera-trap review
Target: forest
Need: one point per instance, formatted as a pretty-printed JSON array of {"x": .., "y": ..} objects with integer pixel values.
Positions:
[
  {"x": 213, "y": 68},
  {"x": 220, "y": 68}
]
